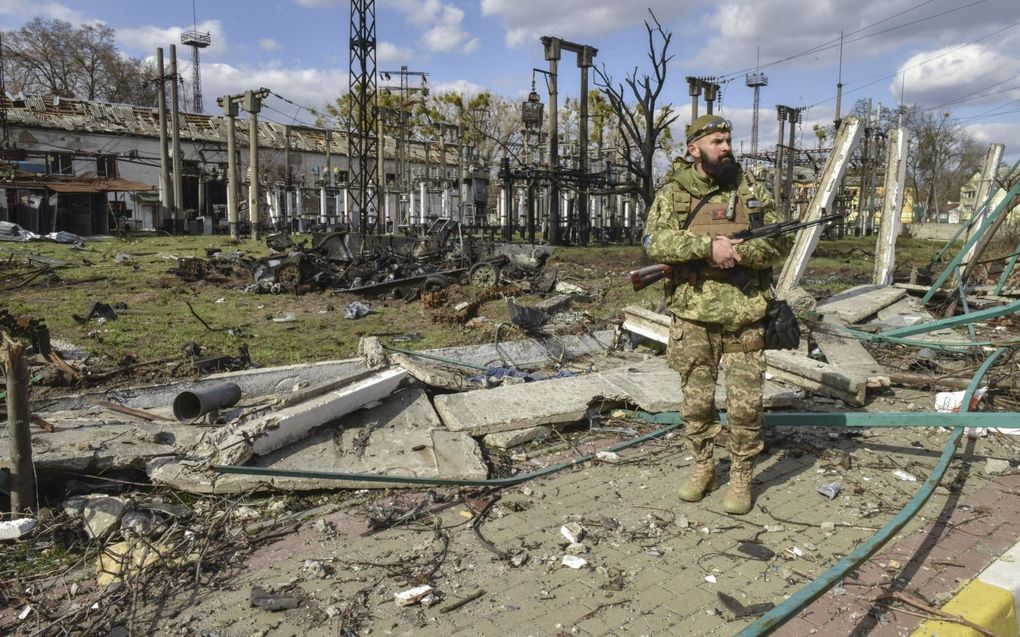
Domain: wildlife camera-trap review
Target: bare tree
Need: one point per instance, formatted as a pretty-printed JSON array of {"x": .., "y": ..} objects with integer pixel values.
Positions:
[
  {"x": 52, "y": 57},
  {"x": 643, "y": 125}
]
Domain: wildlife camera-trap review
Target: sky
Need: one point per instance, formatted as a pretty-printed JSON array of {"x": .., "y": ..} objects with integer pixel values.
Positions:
[{"x": 960, "y": 57}]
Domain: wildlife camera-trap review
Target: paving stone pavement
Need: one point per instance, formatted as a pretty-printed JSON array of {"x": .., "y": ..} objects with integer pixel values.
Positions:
[{"x": 655, "y": 565}]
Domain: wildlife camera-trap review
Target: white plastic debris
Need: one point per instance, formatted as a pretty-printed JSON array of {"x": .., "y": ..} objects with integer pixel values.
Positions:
[
  {"x": 412, "y": 595},
  {"x": 574, "y": 562},
  {"x": 903, "y": 475},
  {"x": 14, "y": 529},
  {"x": 607, "y": 456},
  {"x": 573, "y": 532},
  {"x": 951, "y": 401},
  {"x": 710, "y": 579},
  {"x": 24, "y": 612}
]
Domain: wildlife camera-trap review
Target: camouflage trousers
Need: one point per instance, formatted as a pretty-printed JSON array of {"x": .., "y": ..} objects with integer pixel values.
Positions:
[{"x": 697, "y": 351}]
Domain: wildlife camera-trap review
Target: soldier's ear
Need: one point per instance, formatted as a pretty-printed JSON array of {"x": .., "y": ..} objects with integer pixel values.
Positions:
[{"x": 693, "y": 150}]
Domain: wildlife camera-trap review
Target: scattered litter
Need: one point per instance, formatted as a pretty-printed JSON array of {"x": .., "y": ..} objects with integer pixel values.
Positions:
[
  {"x": 14, "y": 529},
  {"x": 573, "y": 532},
  {"x": 738, "y": 610},
  {"x": 24, "y": 612},
  {"x": 951, "y": 401},
  {"x": 356, "y": 310},
  {"x": 574, "y": 562},
  {"x": 608, "y": 456},
  {"x": 710, "y": 579},
  {"x": 653, "y": 552},
  {"x": 519, "y": 559},
  {"x": 271, "y": 601},
  {"x": 830, "y": 490},
  {"x": 903, "y": 475},
  {"x": 290, "y": 318},
  {"x": 412, "y": 595}
]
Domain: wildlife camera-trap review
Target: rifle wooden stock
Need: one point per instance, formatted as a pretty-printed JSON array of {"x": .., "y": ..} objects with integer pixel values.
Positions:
[{"x": 648, "y": 275}]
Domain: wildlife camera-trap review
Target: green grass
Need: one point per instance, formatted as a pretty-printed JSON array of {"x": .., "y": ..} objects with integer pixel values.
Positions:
[{"x": 157, "y": 322}]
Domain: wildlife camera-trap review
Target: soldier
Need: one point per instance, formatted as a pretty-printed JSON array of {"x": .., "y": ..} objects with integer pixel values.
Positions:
[{"x": 717, "y": 296}]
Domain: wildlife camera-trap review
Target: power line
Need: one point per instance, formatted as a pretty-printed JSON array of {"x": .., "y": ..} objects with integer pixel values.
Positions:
[{"x": 831, "y": 44}]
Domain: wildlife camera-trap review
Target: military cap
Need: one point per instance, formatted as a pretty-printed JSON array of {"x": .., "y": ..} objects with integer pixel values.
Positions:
[{"x": 705, "y": 125}]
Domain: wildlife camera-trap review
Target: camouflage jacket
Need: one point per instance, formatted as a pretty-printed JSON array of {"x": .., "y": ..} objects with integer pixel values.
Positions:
[{"x": 666, "y": 241}]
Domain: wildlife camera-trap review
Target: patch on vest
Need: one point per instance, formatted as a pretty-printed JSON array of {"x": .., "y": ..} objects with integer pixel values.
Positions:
[{"x": 719, "y": 215}]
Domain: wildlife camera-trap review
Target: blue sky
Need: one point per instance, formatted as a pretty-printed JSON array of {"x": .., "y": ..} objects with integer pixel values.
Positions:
[{"x": 961, "y": 56}]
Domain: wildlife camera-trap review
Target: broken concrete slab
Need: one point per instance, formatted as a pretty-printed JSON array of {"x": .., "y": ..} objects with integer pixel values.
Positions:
[
  {"x": 910, "y": 311},
  {"x": 847, "y": 354},
  {"x": 238, "y": 443},
  {"x": 516, "y": 438},
  {"x": 646, "y": 323},
  {"x": 858, "y": 303},
  {"x": 401, "y": 436},
  {"x": 816, "y": 376},
  {"x": 103, "y": 514},
  {"x": 91, "y": 440}
]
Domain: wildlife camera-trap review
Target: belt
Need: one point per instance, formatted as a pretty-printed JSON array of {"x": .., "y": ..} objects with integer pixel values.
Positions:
[
  {"x": 756, "y": 345},
  {"x": 696, "y": 275}
]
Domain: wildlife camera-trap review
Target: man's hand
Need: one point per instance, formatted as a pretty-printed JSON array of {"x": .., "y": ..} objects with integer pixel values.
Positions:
[{"x": 723, "y": 253}]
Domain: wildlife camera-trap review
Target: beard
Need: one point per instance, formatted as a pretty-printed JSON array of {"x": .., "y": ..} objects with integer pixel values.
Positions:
[{"x": 724, "y": 171}]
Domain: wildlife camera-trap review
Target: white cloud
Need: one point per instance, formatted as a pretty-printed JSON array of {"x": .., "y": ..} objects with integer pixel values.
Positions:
[
  {"x": 389, "y": 53},
  {"x": 471, "y": 46},
  {"x": 464, "y": 87},
  {"x": 442, "y": 24},
  {"x": 145, "y": 39},
  {"x": 525, "y": 22},
  {"x": 53, "y": 10},
  {"x": 269, "y": 44},
  {"x": 959, "y": 76},
  {"x": 312, "y": 88}
]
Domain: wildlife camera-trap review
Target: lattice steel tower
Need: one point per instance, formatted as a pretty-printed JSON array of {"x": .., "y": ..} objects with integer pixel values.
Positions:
[
  {"x": 362, "y": 132},
  {"x": 196, "y": 41},
  {"x": 755, "y": 80}
]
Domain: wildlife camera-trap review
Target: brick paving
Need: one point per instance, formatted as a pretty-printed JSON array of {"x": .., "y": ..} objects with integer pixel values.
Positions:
[{"x": 656, "y": 565}]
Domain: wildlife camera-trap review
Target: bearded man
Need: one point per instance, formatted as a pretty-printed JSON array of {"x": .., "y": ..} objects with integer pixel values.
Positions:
[{"x": 716, "y": 316}]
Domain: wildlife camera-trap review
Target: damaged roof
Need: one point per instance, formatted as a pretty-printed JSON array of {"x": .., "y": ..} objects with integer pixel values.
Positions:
[{"x": 125, "y": 119}]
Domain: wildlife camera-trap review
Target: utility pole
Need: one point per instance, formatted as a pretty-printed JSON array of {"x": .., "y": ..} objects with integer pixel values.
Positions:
[
  {"x": 166, "y": 200},
  {"x": 584, "y": 62},
  {"x": 694, "y": 90},
  {"x": 777, "y": 181},
  {"x": 862, "y": 183},
  {"x": 552, "y": 54},
  {"x": 364, "y": 111},
  {"x": 230, "y": 111},
  {"x": 793, "y": 117},
  {"x": 175, "y": 129},
  {"x": 252, "y": 103},
  {"x": 585, "y": 54},
  {"x": 755, "y": 80}
]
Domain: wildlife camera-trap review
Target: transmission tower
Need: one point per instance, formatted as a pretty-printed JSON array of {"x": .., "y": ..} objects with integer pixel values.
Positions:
[
  {"x": 755, "y": 80},
  {"x": 196, "y": 41},
  {"x": 363, "y": 142}
]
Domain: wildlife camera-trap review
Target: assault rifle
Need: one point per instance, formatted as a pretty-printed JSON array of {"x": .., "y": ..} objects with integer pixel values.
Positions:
[{"x": 738, "y": 275}]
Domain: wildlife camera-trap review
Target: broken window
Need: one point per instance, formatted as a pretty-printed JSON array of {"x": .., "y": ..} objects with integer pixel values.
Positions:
[
  {"x": 59, "y": 163},
  {"x": 106, "y": 166}
]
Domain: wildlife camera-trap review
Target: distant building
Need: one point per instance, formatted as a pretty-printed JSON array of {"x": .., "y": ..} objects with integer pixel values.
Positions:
[{"x": 77, "y": 164}]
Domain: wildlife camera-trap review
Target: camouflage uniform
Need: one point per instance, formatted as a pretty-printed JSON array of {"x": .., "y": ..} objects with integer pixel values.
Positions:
[{"x": 714, "y": 321}]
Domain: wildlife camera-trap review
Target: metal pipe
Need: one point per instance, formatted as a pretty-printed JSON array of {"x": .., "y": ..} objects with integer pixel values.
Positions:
[{"x": 195, "y": 403}]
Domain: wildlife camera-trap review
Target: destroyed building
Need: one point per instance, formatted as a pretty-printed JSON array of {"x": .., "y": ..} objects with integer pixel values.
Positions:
[{"x": 76, "y": 162}]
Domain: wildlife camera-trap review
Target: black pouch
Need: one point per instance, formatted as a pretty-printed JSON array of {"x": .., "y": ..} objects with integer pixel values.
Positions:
[{"x": 781, "y": 328}]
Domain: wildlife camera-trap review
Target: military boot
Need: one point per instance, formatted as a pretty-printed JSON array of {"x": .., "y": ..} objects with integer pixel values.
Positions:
[
  {"x": 738, "y": 495},
  {"x": 699, "y": 482}
]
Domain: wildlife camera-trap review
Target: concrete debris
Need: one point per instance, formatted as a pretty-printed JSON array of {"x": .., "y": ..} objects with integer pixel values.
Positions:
[
  {"x": 123, "y": 560},
  {"x": 573, "y": 532},
  {"x": 830, "y": 490},
  {"x": 263, "y": 435},
  {"x": 997, "y": 467},
  {"x": 905, "y": 476},
  {"x": 574, "y": 562},
  {"x": 103, "y": 514},
  {"x": 517, "y": 437},
  {"x": 412, "y": 595},
  {"x": 17, "y": 528}
]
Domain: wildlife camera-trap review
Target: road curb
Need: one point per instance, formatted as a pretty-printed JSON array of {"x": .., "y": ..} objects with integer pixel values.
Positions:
[{"x": 990, "y": 601}]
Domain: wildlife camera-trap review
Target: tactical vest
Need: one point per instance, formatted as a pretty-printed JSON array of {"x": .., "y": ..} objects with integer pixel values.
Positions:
[{"x": 714, "y": 218}]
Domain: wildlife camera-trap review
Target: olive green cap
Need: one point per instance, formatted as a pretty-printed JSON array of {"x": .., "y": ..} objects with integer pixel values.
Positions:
[{"x": 705, "y": 125}]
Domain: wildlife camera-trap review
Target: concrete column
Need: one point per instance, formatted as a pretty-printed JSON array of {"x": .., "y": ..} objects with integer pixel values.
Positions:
[
  {"x": 166, "y": 203},
  {"x": 175, "y": 129},
  {"x": 895, "y": 176}
]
